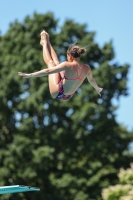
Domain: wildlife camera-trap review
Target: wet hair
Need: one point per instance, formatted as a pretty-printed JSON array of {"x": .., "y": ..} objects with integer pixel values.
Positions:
[{"x": 75, "y": 51}]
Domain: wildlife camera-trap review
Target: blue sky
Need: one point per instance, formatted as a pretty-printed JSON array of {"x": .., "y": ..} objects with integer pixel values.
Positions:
[{"x": 110, "y": 19}]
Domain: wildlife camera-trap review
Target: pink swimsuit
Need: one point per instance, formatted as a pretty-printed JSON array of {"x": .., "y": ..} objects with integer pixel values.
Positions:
[{"x": 61, "y": 94}]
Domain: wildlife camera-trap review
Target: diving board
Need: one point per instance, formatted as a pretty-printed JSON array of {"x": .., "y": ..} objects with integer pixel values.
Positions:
[{"x": 17, "y": 189}]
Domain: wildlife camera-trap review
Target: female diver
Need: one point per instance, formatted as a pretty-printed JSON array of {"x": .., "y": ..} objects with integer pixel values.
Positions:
[{"x": 66, "y": 77}]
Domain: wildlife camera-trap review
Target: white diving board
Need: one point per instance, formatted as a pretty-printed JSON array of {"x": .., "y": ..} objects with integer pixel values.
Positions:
[{"x": 17, "y": 189}]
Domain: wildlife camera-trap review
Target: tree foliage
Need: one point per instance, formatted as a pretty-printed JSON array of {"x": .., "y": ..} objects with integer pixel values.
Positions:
[
  {"x": 123, "y": 190},
  {"x": 70, "y": 149}
]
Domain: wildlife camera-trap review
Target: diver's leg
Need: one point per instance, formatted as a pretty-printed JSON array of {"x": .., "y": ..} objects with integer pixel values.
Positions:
[{"x": 54, "y": 79}]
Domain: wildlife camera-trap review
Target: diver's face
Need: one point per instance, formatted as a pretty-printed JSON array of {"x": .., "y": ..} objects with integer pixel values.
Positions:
[{"x": 69, "y": 58}]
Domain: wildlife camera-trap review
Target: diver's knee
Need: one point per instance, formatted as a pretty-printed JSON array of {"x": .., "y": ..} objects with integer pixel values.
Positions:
[
  {"x": 51, "y": 63},
  {"x": 57, "y": 62}
]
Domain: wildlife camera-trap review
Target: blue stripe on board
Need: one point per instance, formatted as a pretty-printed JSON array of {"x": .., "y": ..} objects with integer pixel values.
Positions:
[{"x": 17, "y": 189}]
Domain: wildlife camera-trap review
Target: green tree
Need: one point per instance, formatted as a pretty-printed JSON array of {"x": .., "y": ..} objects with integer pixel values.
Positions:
[
  {"x": 123, "y": 190},
  {"x": 70, "y": 149}
]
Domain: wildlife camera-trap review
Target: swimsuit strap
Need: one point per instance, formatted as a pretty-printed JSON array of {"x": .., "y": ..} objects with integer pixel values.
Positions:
[{"x": 78, "y": 76}]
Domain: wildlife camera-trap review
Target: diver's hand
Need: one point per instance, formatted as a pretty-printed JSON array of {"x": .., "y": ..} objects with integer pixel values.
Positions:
[
  {"x": 99, "y": 91},
  {"x": 24, "y": 75}
]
